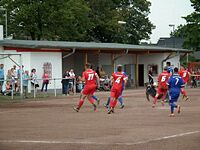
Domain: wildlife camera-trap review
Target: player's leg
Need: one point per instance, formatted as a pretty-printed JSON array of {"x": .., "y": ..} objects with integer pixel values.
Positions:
[
  {"x": 183, "y": 92},
  {"x": 121, "y": 100},
  {"x": 163, "y": 97},
  {"x": 156, "y": 98},
  {"x": 91, "y": 100},
  {"x": 80, "y": 102},
  {"x": 96, "y": 99}
]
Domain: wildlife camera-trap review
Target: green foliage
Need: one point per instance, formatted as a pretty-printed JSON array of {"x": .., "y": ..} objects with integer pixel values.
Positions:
[
  {"x": 191, "y": 31},
  {"x": 79, "y": 20}
]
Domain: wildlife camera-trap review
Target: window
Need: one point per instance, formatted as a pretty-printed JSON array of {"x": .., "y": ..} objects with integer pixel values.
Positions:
[{"x": 48, "y": 68}]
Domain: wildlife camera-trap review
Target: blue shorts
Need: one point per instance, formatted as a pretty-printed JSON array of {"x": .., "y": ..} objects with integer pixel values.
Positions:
[{"x": 173, "y": 97}]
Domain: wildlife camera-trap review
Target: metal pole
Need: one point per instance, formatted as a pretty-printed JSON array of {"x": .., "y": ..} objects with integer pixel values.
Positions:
[
  {"x": 12, "y": 90},
  {"x": 75, "y": 86},
  {"x": 6, "y": 18},
  {"x": 21, "y": 79},
  {"x": 54, "y": 81},
  {"x": 34, "y": 89}
]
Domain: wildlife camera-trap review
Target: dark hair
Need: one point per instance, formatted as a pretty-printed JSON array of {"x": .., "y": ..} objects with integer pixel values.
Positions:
[
  {"x": 119, "y": 68},
  {"x": 175, "y": 70},
  {"x": 33, "y": 70},
  {"x": 168, "y": 63},
  {"x": 88, "y": 65}
]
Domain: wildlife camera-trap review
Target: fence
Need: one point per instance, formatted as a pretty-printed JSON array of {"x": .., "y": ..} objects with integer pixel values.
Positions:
[{"x": 31, "y": 86}]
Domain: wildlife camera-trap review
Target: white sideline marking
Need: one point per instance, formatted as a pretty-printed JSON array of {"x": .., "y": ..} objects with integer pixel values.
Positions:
[{"x": 87, "y": 142}]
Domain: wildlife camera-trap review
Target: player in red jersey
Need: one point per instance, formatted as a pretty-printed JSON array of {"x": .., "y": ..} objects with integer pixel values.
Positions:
[
  {"x": 89, "y": 76},
  {"x": 117, "y": 79},
  {"x": 184, "y": 74},
  {"x": 162, "y": 86}
]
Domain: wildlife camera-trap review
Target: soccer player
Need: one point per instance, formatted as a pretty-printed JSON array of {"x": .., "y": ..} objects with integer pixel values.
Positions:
[
  {"x": 89, "y": 76},
  {"x": 162, "y": 86},
  {"x": 117, "y": 79},
  {"x": 184, "y": 74},
  {"x": 175, "y": 83},
  {"x": 120, "y": 96}
]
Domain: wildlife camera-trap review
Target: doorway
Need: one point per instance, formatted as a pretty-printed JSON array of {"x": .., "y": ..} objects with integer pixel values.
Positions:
[{"x": 141, "y": 74}]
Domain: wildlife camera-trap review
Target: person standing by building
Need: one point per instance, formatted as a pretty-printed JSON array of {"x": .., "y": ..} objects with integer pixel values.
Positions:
[
  {"x": 71, "y": 80},
  {"x": 34, "y": 81},
  {"x": 25, "y": 78},
  {"x": 45, "y": 82},
  {"x": 65, "y": 83},
  {"x": 175, "y": 83},
  {"x": 2, "y": 78},
  {"x": 90, "y": 77},
  {"x": 117, "y": 79}
]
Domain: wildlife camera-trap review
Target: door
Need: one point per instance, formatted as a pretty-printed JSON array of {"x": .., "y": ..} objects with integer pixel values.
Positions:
[{"x": 141, "y": 74}]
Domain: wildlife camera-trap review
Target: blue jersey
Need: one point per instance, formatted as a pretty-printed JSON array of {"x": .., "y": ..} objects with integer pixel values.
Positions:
[
  {"x": 175, "y": 82},
  {"x": 170, "y": 70}
]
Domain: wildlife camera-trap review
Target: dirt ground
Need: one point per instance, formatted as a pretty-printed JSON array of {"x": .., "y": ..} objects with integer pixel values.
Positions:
[{"x": 53, "y": 125}]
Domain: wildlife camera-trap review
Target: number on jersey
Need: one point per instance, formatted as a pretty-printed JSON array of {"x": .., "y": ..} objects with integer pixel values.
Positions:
[
  {"x": 177, "y": 79},
  {"x": 90, "y": 76},
  {"x": 163, "y": 78},
  {"x": 118, "y": 80}
]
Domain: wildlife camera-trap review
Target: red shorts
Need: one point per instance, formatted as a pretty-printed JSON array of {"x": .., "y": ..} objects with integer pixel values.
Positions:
[
  {"x": 89, "y": 89},
  {"x": 115, "y": 93},
  {"x": 161, "y": 91}
]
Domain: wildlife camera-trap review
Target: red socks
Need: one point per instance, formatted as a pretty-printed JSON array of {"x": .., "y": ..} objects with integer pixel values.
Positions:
[{"x": 80, "y": 103}]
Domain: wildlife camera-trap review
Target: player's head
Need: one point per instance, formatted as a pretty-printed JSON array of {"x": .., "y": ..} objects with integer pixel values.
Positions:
[
  {"x": 175, "y": 70},
  {"x": 119, "y": 68},
  {"x": 87, "y": 66},
  {"x": 182, "y": 68},
  {"x": 165, "y": 68},
  {"x": 168, "y": 63}
]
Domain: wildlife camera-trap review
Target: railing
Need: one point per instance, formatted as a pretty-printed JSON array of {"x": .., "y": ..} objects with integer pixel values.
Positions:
[{"x": 39, "y": 81}]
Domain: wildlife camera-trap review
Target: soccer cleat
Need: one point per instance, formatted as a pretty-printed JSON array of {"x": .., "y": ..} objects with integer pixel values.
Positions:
[
  {"x": 76, "y": 109},
  {"x": 110, "y": 110},
  {"x": 105, "y": 105},
  {"x": 122, "y": 106},
  {"x": 171, "y": 115},
  {"x": 178, "y": 109},
  {"x": 154, "y": 105}
]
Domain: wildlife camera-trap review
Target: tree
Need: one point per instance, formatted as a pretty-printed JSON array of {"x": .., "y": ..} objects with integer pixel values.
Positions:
[
  {"x": 79, "y": 20},
  {"x": 106, "y": 13},
  {"x": 47, "y": 19},
  {"x": 191, "y": 31}
]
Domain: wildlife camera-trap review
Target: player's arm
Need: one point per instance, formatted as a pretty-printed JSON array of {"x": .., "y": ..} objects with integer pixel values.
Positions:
[
  {"x": 98, "y": 80},
  {"x": 83, "y": 77}
]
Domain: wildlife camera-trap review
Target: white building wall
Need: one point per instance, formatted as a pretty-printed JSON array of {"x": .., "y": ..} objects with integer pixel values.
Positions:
[{"x": 38, "y": 59}]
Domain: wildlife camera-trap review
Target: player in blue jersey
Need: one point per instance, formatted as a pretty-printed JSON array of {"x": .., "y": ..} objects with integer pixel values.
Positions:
[
  {"x": 175, "y": 83},
  {"x": 120, "y": 97}
]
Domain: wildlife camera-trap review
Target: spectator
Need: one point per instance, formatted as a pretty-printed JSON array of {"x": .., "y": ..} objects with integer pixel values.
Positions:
[
  {"x": 1, "y": 76},
  {"x": 102, "y": 72},
  {"x": 45, "y": 83},
  {"x": 25, "y": 78},
  {"x": 79, "y": 85},
  {"x": 19, "y": 71},
  {"x": 71, "y": 80},
  {"x": 65, "y": 82},
  {"x": 34, "y": 81},
  {"x": 97, "y": 71},
  {"x": 6, "y": 88}
]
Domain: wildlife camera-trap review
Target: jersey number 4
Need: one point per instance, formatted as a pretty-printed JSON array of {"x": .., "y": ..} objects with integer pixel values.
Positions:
[{"x": 118, "y": 80}]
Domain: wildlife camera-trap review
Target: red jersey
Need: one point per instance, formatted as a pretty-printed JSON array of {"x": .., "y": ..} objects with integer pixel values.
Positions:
[
  {"x": 90, "y": 77},
  {"x": 118, "y": 78},
  {"x": 184, "y": 74},
  {"x": 163, "y": 78}
]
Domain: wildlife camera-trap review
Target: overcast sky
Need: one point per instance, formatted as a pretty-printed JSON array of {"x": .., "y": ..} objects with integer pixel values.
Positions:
[{"x": 165, "y": 12}]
